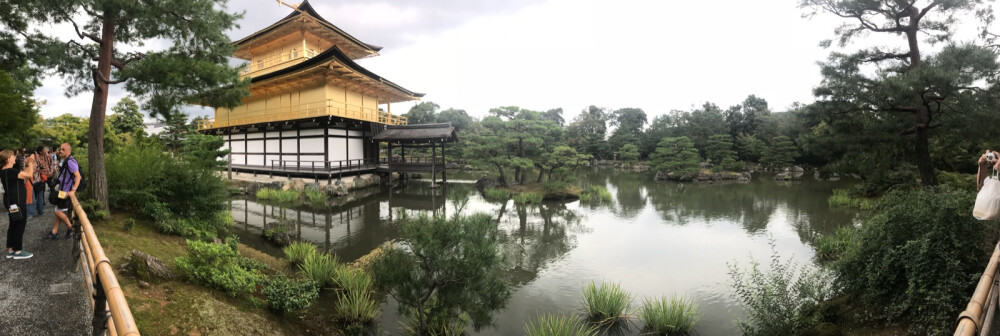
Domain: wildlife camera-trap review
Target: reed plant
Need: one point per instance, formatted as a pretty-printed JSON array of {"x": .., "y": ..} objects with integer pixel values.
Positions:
[
  {"x": 552, "y": 325},
  {"x": 357, "y": 307},
  {"x": 528, "y": 198},
  {"x": 297, "y": 252},
  {"x": 350, "y": 278},
  {"x": 265, "y": 194},
  {"x": 494, "y": 194},
  {"x": 607, "y": 303},
  {"x": 669, "y": 316},
  {"x": 320, "y": 268},
  {"x": 315, "y": 196},
  {"x": 287, "y": 196},
  {"x": 596, "y": 194}
]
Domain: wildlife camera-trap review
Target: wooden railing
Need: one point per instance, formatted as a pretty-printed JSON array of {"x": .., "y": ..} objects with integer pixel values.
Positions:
[
  {"x": 977, "y": 319},
  {"x": 111, "y": 311},
  {"x": 306, "y": 110}
]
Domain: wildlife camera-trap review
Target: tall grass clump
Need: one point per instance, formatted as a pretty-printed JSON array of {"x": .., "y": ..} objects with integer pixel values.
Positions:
[
  {"x": 607, "y": 303},
  {"x": 265, "y": 194},
  {"x": 297, "y": 251},
  {"x": 596, "y": 194},
  {"x": 782, "y": 299},
  {"x": 287, "y": 196},
  {"x": 315, "y": 196},
  {"x": 350, "y": 278},
  {"x": 841, "y": 198},
  {"x": 357, "y": 307},
  {"x": 528, "y": 198},
  {"x": 552, "y": 325},
  {"x": 320, "y": 268},
  {"x": 494, "y": 194},
  {"x": 669, "y": 316},
  {"x": 830, "y": 247}
]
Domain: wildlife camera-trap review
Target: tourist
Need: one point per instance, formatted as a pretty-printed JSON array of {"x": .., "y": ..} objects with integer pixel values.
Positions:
[
  {"x": 15, "y": 200},
  {"x": 68, "y": 181},
  {"x": 43, "y": 171}
]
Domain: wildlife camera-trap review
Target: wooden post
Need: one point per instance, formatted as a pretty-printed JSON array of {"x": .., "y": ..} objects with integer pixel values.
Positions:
[
  {"x": 433, "y": 165},
  {"x": 444, "y": 161}
]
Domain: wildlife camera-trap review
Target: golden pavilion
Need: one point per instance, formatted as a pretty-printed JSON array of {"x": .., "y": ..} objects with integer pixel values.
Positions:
[{"x": 311, "y": 107}]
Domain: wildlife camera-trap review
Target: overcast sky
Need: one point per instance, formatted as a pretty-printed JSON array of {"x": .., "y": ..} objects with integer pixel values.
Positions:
[{"x": 540, "y": 54}]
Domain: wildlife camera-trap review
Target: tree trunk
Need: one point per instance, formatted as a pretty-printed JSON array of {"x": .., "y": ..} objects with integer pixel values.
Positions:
[
  {"x": 98, "y": 183},
  {"x": 541, "y": 174},
  {"x": 921, "y": 149},
  {"x": 517, "y": 174},
  {"x": 923, "y": 156},
  {"x": 503, "y": 179}
]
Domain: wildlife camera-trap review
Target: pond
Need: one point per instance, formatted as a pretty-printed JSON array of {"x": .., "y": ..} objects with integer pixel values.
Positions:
[{"x": 654, "y": 238}]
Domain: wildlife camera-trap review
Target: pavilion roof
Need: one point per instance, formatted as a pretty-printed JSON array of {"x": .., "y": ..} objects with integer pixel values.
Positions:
[
  {"x": 418, "y": 133},
  {"x": 306, "y": 10},
  {"x": 334, "y": 60}
]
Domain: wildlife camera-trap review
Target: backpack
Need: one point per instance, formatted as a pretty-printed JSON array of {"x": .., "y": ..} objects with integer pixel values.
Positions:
[{"x": 83, "y": 177}]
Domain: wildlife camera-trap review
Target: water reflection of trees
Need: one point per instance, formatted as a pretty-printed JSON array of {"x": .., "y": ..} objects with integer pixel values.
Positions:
[{"x": 535, "y": 236}]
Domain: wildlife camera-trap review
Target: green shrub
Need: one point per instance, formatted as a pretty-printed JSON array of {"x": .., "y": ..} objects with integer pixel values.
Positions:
[
  {"x": 551, "y": 325},
  {"x": 350, "y": 278},
  {"x": 606, "y": 304},
  {"x": 297, "y": 251},
  {"x": 494, "y": 194},
  {"x": 320, "y": 268},
  {"x": 287, "y": 295},
  {"x": 585, "y": 197},
  {"x": 917, "y": 260},
  {"x": 784, "y": 299},
  {"x": 669, "y": 316},
  {"x": 449, "y": 267},
  {"x": 957, "y": 181},
  {"x": 556, "y": 186},
  {"x": 180, "y": 196},
  {"x": 357, "y": 307},
  {"x": 219, "y": 266},
  {"x": 830, "y": 247},
  {"x": 129, "y": 224},
  {"x": 315, "y": 196},
  {"x": 528, "y": 198},
  {"x": 94, "y": 209}
]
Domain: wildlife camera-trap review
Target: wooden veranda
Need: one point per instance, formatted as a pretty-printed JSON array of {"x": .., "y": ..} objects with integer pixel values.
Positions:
[{"x": 403, "y": 137}]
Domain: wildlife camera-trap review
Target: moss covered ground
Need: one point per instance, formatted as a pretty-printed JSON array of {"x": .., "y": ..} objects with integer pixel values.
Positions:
[{"x": 179, "y": 307}]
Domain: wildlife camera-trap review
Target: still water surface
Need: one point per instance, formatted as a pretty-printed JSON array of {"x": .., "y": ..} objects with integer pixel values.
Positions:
[{"x": 655, "y": 238}]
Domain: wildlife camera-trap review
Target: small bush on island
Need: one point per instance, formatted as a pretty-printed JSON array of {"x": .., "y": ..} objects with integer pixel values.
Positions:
[
  {"x": 220, "y": 266},
  {"x": 784, "y": 299},
  {"x": 606, "y": 304},
  {"x": 669, "y": 316},
  {"x": 596, "y": 194},
  {"x": 315, "y": 196},
  {"x": 297, "y": 251},
  {"x": 286, "y": 295},
  {"x": 552, "y": 325},
  {"x": 917, "y": 260},
  {"x": 283, "y": 196},
  {"x": 494, "y": 194},
  {"x": 320, "y": 268},
  {"x": 528, "y": 198}
]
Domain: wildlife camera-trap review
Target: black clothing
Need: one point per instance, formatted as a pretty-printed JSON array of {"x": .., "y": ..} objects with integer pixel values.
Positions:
[
  {"x": 14, "y": 191},
  {"x": 10, "y": 181}
]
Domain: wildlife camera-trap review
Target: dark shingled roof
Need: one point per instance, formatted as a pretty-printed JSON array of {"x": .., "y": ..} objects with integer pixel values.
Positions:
[
  {"x": 333, "y": 53},
  {"x": 306, "y": 7},
  {"x": 418, "y": 133}
]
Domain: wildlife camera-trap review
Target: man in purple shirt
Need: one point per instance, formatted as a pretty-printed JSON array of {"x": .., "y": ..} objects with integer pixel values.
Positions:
[{"x": 69, "y": 180}]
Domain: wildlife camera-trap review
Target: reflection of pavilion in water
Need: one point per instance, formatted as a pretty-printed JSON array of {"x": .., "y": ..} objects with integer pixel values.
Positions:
[{"x": 349, "y": 230}]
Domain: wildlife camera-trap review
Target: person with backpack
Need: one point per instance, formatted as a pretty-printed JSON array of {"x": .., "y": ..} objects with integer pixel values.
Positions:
[
  {"x": 43, "y": 170},
  {"x": 66, "y": 185},
  {"x": 15, "y": 200}
]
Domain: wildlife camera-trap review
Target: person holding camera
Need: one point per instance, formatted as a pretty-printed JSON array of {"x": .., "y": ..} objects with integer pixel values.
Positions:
[
  {"x": 15, "y": 200},
  {"x": 988, "y": 159}
]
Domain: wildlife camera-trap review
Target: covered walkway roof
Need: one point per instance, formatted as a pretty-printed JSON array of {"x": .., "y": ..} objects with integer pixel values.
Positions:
[{"x": 412, "y": 134}]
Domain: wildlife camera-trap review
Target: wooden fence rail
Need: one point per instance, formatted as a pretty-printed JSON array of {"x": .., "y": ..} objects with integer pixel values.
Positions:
[
  {"x": 111, "y": 311},
  {"x": 977, "y": 319}
]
